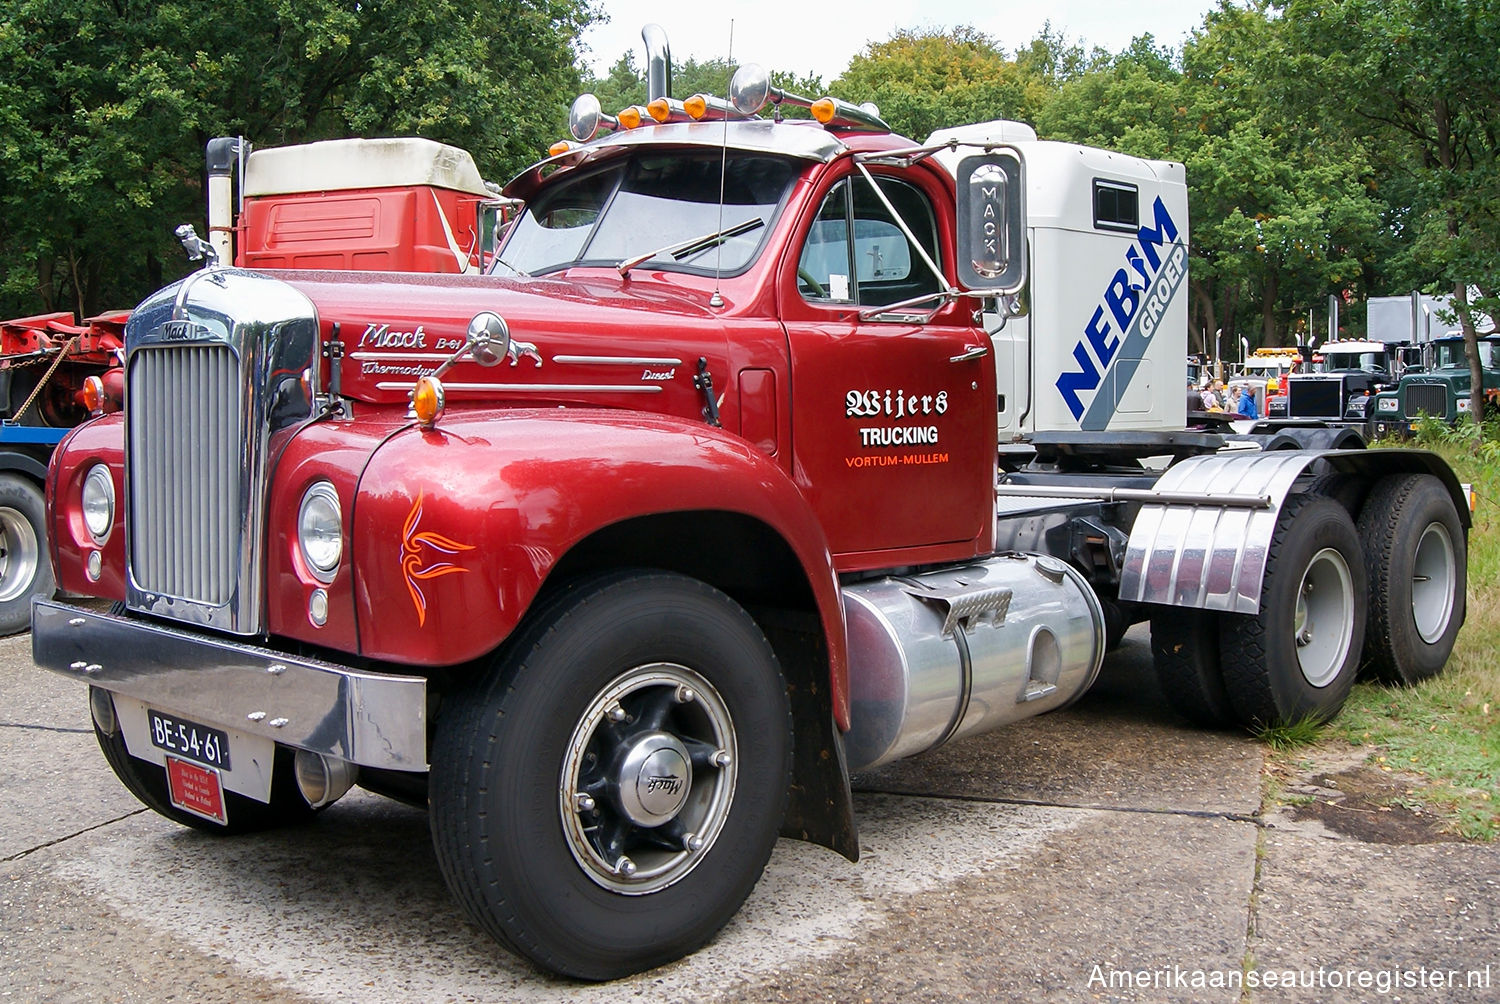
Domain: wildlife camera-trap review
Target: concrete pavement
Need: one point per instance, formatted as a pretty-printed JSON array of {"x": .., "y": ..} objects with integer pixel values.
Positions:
[{"x": 1106, "y": 852}]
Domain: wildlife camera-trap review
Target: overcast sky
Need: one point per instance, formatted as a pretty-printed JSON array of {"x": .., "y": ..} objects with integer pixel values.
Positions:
[{"x": 821, "y": 37}]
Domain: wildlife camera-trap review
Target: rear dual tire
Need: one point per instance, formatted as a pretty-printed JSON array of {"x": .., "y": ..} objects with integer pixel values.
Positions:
[
  {"x": 1296, "y": 659},
  {"x": 1415, "y": 545}
]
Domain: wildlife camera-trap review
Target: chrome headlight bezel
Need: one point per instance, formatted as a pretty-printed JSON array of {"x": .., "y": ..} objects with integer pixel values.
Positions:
[
  {"x": 97, "y": 502},
  {"x": 320, "y": 530}
]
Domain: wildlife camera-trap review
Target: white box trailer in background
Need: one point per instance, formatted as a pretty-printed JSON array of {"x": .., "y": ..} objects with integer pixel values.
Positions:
[
  {"x": 1415, "y": 317},
  {"x": 1103, "y": 346}
]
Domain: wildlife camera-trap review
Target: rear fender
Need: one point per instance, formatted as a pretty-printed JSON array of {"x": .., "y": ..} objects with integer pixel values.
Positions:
[{"x": 1213, "y": 557}]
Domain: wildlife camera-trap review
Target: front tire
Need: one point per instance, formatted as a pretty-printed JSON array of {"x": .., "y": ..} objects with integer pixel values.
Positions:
[
  {"x": 605, "y": 799},
  {"x": 1296, "y": 659},
  {"x": 25, "y": 571},
  {"x": 1414, "y": 546}
]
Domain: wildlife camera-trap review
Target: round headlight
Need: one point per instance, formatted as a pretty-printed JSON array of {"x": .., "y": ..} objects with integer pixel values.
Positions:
[
  {"x": 320, "y": 530},
  {"x": 99, "y": 502}
]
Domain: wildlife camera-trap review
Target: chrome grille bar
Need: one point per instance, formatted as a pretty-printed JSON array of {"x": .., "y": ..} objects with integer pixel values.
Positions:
[
  {"x": 185, "y": 434},
  {"x": 1429, "y": 399}
]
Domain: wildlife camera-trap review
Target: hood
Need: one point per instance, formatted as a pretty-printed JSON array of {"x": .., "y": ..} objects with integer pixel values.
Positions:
[{"x": 600, "y": 341}]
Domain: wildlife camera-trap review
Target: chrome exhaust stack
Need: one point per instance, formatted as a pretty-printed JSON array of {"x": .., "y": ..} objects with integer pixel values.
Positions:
[{"x": 658, "y": 62}]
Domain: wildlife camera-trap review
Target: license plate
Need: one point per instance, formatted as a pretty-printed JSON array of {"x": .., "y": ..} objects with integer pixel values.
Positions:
[
  {"x": 196, "y": 789},
  {"x": 189, "y": 740}
]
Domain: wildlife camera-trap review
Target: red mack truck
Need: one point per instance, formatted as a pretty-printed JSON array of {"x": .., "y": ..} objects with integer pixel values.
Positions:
[{"x": 763, "y": 452}]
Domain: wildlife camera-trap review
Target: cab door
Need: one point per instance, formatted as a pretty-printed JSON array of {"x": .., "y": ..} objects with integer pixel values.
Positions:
[{"x": 893, "y": 415}]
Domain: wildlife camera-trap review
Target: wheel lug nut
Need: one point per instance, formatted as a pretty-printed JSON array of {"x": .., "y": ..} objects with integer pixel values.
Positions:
[
  {"x": 692, "y": 842},
  {"x": 616, "y": 713},
  {"x": 583, "y": 802},
  {"x": 625, "y": 867},
  {"x": 722, "y": 759},
  {"x": 685, "y": 695}
]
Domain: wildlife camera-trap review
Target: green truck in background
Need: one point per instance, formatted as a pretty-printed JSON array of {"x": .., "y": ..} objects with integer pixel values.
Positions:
[{"x": 1440, "y": 390}]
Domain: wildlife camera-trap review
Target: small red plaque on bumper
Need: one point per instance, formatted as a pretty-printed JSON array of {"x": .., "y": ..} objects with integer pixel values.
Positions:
[{"x": 196, "y": 789}]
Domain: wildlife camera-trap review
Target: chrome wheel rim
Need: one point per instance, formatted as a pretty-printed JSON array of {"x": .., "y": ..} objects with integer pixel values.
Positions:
[
  {"x": 19, "y": 555},
  {"x": 1323, "y": 621},
  {"x": 1434, "y": 573},
  {"x": 648, "y": 778}
]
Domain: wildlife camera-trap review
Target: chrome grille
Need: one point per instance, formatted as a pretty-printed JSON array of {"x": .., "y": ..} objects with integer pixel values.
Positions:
[
  {"x": 183, "y": 411},
  {"x": 1316, "y": 397},
  {"x": 1426, "y": 398}
]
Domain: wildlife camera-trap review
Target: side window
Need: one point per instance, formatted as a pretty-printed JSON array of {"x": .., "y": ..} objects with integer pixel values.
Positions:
[
  {"x": 1116, "y": 205},
  {"x": 823, "y": 270},
  {"x": 871, "y": 263}
]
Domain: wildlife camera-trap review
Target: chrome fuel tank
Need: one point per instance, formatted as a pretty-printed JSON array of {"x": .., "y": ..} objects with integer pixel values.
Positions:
[{"x": 948, "y": 654}]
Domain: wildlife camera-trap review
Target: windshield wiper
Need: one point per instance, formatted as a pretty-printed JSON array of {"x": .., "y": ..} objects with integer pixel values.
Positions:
[
  {"x": 497, "y": 260},
  {"x": 688, "y": 248}
]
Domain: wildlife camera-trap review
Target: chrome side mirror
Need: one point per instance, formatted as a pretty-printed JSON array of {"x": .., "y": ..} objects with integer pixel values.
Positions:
[
  {"x": 489, "y": 339},
  {"x": 991, "y": 223}
]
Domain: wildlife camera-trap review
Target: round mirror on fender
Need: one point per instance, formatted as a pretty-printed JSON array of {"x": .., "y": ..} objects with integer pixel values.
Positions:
[
  {"x": 750, "y": 89},
  {"x": 585, "y": 117},
  {"x": 489, "y": 338}
]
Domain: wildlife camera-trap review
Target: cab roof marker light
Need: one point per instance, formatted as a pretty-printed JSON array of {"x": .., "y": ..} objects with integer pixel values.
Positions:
[
  {"x": 666, "y": 110},
  {"x": 632, "y": 116},
  {"x": 708, "y": 108},
  {"x": 836, "y": 114},
  {"x": 559, "y": 148}
]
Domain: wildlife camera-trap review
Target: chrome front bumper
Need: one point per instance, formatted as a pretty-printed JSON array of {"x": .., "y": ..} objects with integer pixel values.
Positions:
[{"x": 371, "y": 719}]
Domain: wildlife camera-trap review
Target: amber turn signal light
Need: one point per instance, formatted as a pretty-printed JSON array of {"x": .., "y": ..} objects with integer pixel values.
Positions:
[
  {"x": 93, "y": 396},
  {"x": 427, "y": 401}
]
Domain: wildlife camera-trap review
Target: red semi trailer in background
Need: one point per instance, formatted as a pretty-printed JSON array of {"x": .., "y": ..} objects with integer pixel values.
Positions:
[{"x": 399, "y": 204}]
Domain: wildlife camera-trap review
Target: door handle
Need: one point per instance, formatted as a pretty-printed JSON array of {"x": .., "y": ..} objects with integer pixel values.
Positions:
[{"x": 970, "y": 352}]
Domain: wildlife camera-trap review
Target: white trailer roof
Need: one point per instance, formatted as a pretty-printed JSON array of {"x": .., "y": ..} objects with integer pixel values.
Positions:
[
  {"x": 1057, "y": 172},
  {"x": 340, "y": 164}
]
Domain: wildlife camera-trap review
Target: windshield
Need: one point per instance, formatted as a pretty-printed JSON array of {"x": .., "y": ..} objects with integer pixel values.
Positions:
[
  {"x": 653, "y": 200},
  {"x": 1451, "y": 354},
  {"x": 1370, "y": 362}
]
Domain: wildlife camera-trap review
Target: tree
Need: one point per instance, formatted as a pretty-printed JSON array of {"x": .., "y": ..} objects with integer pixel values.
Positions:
[
  {"x": 105, "y": 109},
  {"x": 925, "y": 80},
  {"x": 1420, "y": 79}
]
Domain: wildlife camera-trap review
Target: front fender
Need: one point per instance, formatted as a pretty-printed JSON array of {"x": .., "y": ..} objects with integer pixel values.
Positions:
[{"x": 455, "y": 530}]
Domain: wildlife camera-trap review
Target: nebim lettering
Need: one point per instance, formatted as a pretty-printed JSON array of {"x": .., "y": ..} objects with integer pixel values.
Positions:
[{"x": 1118, "y": 307}]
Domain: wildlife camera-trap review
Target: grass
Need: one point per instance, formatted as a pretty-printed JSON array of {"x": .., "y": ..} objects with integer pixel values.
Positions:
[
  {"x": 1446, "y": 730},
  {"x": 1292, "y": 735}
]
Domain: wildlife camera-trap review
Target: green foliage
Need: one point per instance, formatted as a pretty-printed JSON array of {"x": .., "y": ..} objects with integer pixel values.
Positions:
[
  {"x": 1303, "y": 732},
  {"x": 105, "y": 109},
  {"x": 924, "y": 80},
  {"x": 1331, "y": 145}
]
